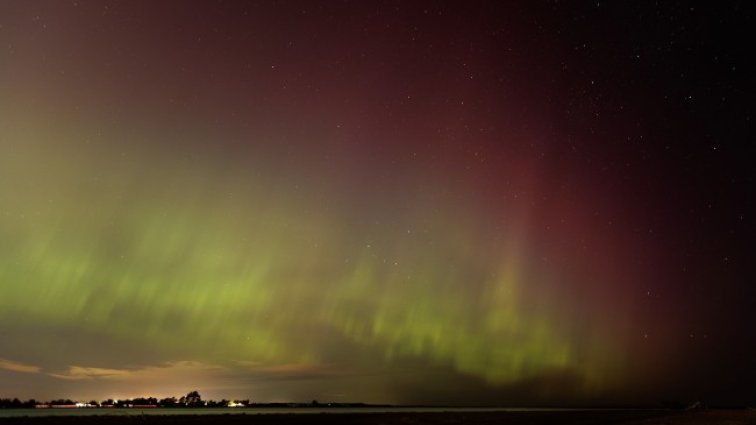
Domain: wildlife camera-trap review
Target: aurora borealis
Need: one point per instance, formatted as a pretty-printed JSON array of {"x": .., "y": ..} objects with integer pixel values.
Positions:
[{"x": 392, "y": 202}]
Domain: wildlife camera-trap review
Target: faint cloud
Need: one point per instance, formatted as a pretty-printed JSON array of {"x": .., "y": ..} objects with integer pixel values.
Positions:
[
  {"x": 78, "y": 372},
  {"x": 18, "y": 367},
  {"x": 167, "y": 370}
]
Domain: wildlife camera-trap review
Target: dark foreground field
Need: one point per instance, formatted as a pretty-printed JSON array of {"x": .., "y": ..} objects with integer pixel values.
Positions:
[{"x": 701, "y": 417}]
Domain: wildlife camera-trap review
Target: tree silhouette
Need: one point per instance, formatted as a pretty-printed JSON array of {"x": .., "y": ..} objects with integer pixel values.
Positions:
[
  {"x": 193, "y": 399},
  {"x": 167, "y": 402}
]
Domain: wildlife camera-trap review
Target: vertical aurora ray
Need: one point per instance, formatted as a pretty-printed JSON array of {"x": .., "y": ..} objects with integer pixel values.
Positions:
[
  {"x": 210, "y": 258},
  {"x": 386, "y": 202}
]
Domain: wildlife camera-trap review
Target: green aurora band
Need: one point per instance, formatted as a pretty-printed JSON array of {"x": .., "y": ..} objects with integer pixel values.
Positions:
[
  {"x": 171, "y": 205},
  {"x": 231, "y": 261}
]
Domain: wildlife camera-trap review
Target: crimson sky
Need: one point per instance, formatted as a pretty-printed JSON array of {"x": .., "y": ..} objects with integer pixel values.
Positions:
[{"x": 405, "y": 202}]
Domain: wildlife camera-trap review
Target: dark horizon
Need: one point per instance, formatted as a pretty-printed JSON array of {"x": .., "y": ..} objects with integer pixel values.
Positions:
[
  {"x": 519, "y": 203},
  {"x": 178, "y": 402}
]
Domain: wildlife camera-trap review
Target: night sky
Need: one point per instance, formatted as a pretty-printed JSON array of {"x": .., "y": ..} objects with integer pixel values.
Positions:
[{"x": 533, "y": 203}]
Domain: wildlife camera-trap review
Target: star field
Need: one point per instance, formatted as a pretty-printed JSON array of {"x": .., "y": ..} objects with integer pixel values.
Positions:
[{"x": 539, "y": 203}]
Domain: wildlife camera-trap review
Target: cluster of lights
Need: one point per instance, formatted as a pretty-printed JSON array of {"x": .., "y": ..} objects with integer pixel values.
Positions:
[{"x": 231, "y": 403}]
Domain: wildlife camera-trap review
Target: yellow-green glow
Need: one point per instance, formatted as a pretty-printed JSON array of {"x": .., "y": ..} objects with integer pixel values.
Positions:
[{"x": 191, "y": 257}]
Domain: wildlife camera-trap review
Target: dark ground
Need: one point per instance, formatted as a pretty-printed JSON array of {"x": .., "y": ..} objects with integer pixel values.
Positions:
[{"x": 702, "y": 417}]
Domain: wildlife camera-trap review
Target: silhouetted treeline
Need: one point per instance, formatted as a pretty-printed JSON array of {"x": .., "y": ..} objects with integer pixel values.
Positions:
[
  {"x": 6, "y": 403},
  {"x": 192, "y": 399}
]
